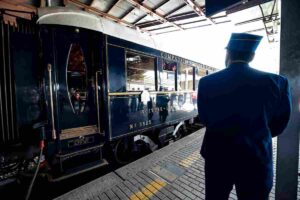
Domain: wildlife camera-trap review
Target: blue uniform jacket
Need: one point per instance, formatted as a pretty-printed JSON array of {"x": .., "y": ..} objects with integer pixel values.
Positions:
[{"x": 242, "y": 109}]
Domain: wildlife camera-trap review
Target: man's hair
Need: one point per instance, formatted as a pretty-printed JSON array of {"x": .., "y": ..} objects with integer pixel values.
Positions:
[{"x": 240, "y": 55}]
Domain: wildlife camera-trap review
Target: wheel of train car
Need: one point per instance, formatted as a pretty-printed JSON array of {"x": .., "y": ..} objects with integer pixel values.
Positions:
[
  {"x": 123, "y": 151},
  {"x": 141, "y": 149}
]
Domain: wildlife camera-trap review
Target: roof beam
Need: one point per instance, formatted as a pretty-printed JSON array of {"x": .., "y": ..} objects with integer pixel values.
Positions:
[
  {"x": 92, "y": 3},
  {"x": 22, "y": 11},
  {"x": 155, "y": 23},
  {"x": 160, "y": 4},
  {"x": 113, "y": 5},
  {"x": 139, "y": 19},
  {"x": 246, "y": 5},
  {"x": 21, "y": 4},
  {"x": 165, "y": 32},
  {"x": 128, "y": 11},
  {"x": 265, "y": 25},
  {"x": 166, "y": 15},
  {"x": 99, "y": 12},
  {"x": 175, "y": 9},
  {"x": 153, "y": 9},
  {"x": 197, "y": 9},
  {"x": 189, "y": 23},
  {"x": 148, "y": 10},
  {"x": 186, "y": 23},
  {"x": 200, "y": 26},
  {"x": 260, "y": 29},
  {"x": 258, "y": 19},
  {"x": 174, "y": 18},
  {"x": 105, "y": 15}
]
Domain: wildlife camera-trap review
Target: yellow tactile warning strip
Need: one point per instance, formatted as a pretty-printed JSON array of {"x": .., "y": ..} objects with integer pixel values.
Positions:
[
  {"x": 149, "y": 190},
  {"x": 187, "y": 162}
]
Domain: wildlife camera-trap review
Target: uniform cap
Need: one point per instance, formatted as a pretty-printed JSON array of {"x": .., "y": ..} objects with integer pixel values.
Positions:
[{"x": 243, "y": 42}]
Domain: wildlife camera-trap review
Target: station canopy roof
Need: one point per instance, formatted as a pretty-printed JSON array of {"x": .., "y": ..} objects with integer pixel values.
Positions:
[{"x": 164, "y": 16}]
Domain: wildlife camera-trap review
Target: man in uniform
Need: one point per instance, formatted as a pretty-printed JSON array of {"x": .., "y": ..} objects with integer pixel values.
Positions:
[{"x": 242, "y": 109}]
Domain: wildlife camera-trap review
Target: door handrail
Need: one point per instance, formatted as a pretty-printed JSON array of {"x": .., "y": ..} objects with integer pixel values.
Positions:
[
  {"x": 97, "y": 100},
  {"x": 49, "y": 66}
]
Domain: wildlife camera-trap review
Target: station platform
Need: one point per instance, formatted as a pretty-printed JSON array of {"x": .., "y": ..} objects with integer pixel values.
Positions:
[{"x": 175, "y": 172}]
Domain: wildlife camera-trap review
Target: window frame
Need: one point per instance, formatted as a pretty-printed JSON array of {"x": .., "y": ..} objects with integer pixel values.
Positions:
[
  {"x": 154, "y": 69},
  {"x": 199, "y": 68},
  {"x": 175, "y": 74},
  {"x": 193, "y": 74}
]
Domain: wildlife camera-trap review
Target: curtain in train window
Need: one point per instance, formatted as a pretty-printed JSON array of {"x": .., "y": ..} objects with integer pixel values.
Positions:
[
  {"x": 166, "y": 75},
  {"x": 185, "y": 78},
  {"x": 77, "y": 78},
  {"x": 140, "y": 72}
]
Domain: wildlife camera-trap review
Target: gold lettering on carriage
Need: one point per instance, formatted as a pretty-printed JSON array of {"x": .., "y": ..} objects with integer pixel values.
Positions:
[
  {"x": 140, "y": 124},
  {"x": 153, "y": 110},
  {"x": 80, "y": 141},
  {"x": 185, "y": 61}
]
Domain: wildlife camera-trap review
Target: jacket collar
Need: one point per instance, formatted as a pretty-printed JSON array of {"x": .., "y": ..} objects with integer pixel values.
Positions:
[{"x": 238, "y": 64}]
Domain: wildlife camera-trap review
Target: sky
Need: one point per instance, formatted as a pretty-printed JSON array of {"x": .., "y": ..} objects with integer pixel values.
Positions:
[{"x": 207, "y": 45}]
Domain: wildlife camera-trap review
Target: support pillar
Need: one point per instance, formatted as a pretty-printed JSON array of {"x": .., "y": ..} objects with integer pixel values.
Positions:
[{"x": 288, "y": 142}]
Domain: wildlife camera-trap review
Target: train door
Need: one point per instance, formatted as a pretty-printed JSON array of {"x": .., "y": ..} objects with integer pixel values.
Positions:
[{"x": 72, "y": 57}]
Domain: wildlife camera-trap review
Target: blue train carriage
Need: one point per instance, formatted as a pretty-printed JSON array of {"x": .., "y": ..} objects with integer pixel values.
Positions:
[
  {"x": 151, "y": 95},
  {"x": 101, "y": 90}
]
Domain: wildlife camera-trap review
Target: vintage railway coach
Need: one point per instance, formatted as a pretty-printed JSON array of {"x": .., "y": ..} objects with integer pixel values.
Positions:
[{"x": 88, "y": 90}]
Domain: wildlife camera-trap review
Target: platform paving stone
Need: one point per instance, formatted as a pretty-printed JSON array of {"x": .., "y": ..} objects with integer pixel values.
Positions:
[{"x": 175, "y": 172}]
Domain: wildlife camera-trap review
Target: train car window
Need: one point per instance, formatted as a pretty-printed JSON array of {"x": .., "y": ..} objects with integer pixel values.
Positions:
[
  {"x": 185, "y": 78},
  {"x": 77, "y": 78},
  {"x": 199, "y": 72},
  {"x": 140, "y": 72},
  {"x": 166, "y": 75}
]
